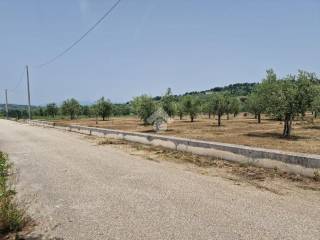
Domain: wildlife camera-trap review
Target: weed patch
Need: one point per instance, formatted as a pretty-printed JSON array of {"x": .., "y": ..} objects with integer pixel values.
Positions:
[{"x": 12, "y": 218}]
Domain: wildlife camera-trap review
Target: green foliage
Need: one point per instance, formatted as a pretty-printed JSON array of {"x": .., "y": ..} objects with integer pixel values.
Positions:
[
  {"x": 168, "y": 103},
  {"x": 71, "y": 107},
  {"x": 120, "y": 109},
  {"x": 206, "y": 104},
  {"x": 104, "y": 108},
  {"x": 85, "y": 111},
  {"x": 219, "y": 105},
  {"x": 144, "y": 107},
  {"x": 51, "y": 110},
  {"x": 191, "y": 106},
  {"x": 315, "y": 105},
  {"x": 179, "y": 108},
  {"x": 94, "y": 111},
  {"x": 237, "y": 89},
  {"x": 232, "y": 105},
  {"x": 12, "y": 218},
  {"x": 306, "y": 90},
  {"x": 288, "y": 97},
  {"x": 255, "y": 103}
]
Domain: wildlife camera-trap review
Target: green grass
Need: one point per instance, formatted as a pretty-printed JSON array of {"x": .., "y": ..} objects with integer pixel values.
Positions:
[{"x": 12, "y": 218}]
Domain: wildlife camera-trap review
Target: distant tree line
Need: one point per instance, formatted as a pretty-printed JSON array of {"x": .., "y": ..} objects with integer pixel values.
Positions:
[
  {"x": 71, "y": 108},
  {"x": 284, "y": 99}
]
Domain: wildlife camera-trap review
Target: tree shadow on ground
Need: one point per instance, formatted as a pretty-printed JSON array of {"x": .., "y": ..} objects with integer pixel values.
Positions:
[
  {"x": 275, "y": 135},
  {"x": 313, "y": 127},
  {"x": 152, "y": 131},
  {"x": 38, "y": 237},
  {"x": 19, "y": 236}
]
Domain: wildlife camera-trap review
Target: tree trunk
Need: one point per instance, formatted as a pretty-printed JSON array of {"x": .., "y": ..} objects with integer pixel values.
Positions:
[
  {"x": 219, "y": 120},
  {"x": 209, "y": 115},
  {"x": 103, "y": 118},
  {"x": 287, "y": 127},
  {"x": 315, "y": 114},
  {"x": 255, "y": 116},
  {"x": 192, "y": 118},
  {"x": 259, "y": 118},
  {"x": 181, "y": 116},
  {"x": 228, "y": 116}
]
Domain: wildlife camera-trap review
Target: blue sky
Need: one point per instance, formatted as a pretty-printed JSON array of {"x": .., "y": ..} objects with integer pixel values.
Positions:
[{"x": 146, "y": 46}]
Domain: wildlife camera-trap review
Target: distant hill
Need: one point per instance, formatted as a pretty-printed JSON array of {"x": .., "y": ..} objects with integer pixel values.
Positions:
[
  {"x": 15, "y": 107},
  {"x": 237, "y": 89}
]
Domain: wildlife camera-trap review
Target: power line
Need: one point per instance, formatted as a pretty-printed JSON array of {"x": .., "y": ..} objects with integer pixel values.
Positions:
[
  {"x": 82, "y": 37},
  {"x": 19, "y": 82}
]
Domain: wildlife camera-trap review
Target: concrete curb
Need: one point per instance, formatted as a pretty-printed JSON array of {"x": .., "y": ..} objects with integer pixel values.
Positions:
[{"x": 299, "y": 163}]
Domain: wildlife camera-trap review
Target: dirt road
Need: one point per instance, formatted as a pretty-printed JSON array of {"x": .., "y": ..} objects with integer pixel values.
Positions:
[{"x": 80, "y": 190}]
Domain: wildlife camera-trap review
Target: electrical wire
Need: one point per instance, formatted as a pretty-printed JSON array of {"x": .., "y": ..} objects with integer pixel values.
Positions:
[
  {"x": 18, "y": 83},
  {"x": 82, "y": 37}
]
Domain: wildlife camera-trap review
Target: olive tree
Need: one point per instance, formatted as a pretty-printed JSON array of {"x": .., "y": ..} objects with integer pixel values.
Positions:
[
  {"x": 179, "y": 108},
  {"x": 51, "y": 110},
  {"x": 288, "y": 97},
  {"x": 206, "y": 106},
  {"x": 255, "y": 105},
  {"x": 168, "y": 103},
  {"x": 315, "y": 106},
  {"x": 144, "y": 107},
  {"x": 85, "y": 111},
  {"x": 94, "y": 111},
  {"x": 104, "y": 108},
  {"x": 71, "y": 107},
  {"x": 191, "y": 106},
  {"x": 219, "y": 105},
  {"x": 233, "y": 106},
  {"x": 306, "y": 90}
]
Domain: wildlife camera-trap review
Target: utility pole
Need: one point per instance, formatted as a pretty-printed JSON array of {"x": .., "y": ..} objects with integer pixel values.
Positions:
[
  {"x": 28, "y": 86},
  {"x": 7, "y": 112}
]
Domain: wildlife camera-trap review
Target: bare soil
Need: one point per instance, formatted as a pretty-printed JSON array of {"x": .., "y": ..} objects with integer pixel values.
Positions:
[{"x": 242, "y": 130}]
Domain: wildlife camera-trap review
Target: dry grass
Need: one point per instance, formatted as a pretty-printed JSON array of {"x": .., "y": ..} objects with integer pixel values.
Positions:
[
  {"x": 271, "y": 180},
  {"x": 240, "y": 130}
]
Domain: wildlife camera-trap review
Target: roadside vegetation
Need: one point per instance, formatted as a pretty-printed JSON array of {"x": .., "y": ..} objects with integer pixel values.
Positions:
[
  {"x": 286, "y": 100},
  {"x": 12, "y": 218}
]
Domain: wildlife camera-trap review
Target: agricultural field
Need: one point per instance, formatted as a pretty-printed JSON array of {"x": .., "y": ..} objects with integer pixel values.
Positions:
[{"x": 242, "y": 130}]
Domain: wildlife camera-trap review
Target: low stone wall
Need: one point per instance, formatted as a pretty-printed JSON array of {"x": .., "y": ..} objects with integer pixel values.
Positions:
[{"x": 304, "y": 164}]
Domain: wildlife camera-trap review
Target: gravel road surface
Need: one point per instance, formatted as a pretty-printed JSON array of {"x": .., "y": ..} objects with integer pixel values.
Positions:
[{"x": 79, "y": 190}]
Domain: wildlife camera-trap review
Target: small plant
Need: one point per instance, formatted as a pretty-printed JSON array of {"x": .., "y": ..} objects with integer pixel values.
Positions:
[{"x": 12, "y": 218}]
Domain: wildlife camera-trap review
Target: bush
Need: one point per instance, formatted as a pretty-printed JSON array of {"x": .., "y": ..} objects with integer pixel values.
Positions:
[{"x": 12, "y": 218}]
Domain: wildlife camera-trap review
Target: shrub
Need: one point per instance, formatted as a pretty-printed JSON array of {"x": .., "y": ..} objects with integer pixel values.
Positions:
[{"x": 12, "y": 218}]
